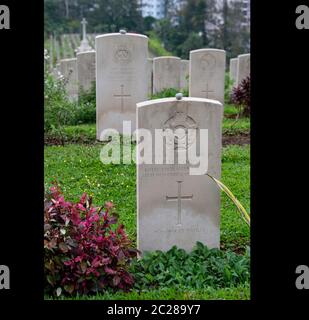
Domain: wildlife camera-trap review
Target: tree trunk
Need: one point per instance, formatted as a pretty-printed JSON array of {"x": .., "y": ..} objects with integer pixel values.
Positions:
[{"x": 67, "y": 9}]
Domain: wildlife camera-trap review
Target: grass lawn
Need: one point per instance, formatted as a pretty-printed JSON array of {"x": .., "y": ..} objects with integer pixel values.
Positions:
[
  {"x": 78, "y": 169},
  {"x": 238, "y": 293}
]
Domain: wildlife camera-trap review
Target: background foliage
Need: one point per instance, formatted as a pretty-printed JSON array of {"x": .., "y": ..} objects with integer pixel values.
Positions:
[{"x": 196, "y": 24}]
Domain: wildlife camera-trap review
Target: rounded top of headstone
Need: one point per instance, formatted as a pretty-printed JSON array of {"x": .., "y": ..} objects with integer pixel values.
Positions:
[
  {"x": 122, "y": 31},
  {"x": 179, "y": 96}
]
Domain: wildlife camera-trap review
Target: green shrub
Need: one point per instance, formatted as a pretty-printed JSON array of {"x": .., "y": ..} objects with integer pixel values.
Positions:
[
  {"x": 169, "y": 93},
  {"x": 86, "y": 106},
  {"x": 199, "y": 269},
  {"x": 59, "y": 111}
]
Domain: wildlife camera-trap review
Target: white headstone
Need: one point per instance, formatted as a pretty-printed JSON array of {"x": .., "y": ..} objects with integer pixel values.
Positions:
[
  {"x": 207, "y": 74},
  {"x": 184, "y": 74},
  {"x": 243, "y": 70},
  {"x": 86, "y": 69},
  {"x": 150, "y": 75},
  {"x": 166, "y": 73},
  {"x": 121, "y": 78},
  {"x": 173, "y": 206},
  {"x": 68, "y": 68},
  {"x": 233, "y": 69}
]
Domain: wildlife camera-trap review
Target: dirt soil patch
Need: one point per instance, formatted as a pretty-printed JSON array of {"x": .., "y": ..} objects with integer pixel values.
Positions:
[
  {"x": 239, "y": 139},
  {"x": 227, "y": 139}
]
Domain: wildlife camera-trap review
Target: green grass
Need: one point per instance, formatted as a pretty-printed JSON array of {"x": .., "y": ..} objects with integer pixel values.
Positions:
[
  {"x": 78, "y": 169},
  {"x": 230, "y": 109},
  {"x": 234, "y": 127},
  {"x": 237, "y": 293},
  {"x": 235, "y": 233}
]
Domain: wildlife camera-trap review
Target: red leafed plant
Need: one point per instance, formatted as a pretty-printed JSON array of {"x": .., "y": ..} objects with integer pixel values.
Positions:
[
  {"x": 85, "y": 251},
  {"x": 241, "y": 95}
]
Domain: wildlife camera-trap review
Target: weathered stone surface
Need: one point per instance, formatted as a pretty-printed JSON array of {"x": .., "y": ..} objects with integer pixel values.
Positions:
[
  {"x": 243, "y": 69},
  {"x": 184, "y": 74},
  {"x": 207, "y": 74},
  {"x": 68, "y": 68},
  {"x": 150, "y": 75},
  {"x": 86, "y": 69},
  {"x": 166, "y": 73},
  {"x": 233, "y": 69},
  {"x": 121, "y": 78},
  {"x": 175, "y": 207}
]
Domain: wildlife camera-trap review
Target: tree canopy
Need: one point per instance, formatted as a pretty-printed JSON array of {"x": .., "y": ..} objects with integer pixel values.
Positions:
[{"x": 195, "y": 24}]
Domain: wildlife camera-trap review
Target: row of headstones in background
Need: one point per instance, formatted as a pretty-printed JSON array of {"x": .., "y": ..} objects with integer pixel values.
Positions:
[
  {"x": 240, "y": 68},
  {"x": 205, "y": 70},
  {"x": 79, "y": 73},
  {"x": 206, "y": 67}
]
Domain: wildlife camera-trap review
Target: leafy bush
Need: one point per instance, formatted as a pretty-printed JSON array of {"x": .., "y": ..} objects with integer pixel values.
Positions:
[
  {"x": 58, "y": 110},
  {"x": 86, "y": 108},
  {"x": 155, "y": 45},
  {"x": 169, "y": 93},
  {"x": 241, "y": 96},
  {"x": 199, "y": 269},
  {"x": 85, "y": 252}
]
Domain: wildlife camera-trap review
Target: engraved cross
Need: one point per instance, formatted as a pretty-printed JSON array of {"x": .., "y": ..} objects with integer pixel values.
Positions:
[
  {"x": 207, "y": 91},
  {"x": 122, "y": 96},
  {"x": 178, "y": 198}
]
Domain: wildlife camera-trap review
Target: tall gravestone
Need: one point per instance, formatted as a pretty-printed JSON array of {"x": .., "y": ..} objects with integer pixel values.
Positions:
[
  {"x": 207, "y": 74},
  {"x": 121, "y": 78},
  {"x": 243, "y": 69},
  {"x": 184, "y": 74},
  {"x": 233, "y": 69},
  {"x": 68, "y": 68},
  {"x": 150, "y": 75},
  {"x": 166, "y": 73},
  {"x": 86, "y": 69},
  {"x": 175, "y": 207}
]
